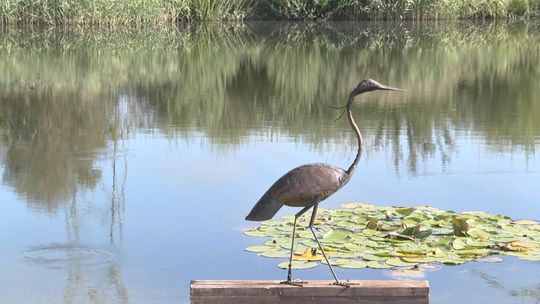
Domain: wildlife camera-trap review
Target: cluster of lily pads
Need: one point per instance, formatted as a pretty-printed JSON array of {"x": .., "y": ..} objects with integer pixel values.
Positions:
[{"x": 412, "y": 238}]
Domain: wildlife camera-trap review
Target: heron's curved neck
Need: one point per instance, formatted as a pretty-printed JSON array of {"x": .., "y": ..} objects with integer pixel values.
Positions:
[{"x": 353, "y": 166}]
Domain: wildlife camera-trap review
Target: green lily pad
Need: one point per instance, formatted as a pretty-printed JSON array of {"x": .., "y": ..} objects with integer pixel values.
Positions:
[
  {"x": 275, "y": 254},
  {"x": 478, "y": 233},
  {"x": 378, "y": 265},
  {"x": 385, "y": 237},
  {"x": 262, "y": 248},
  {"x": 417, "y": 216},
  {"x": 304, "y": 234},
  {"x": 255, "y": 232},
  {"x": 372, "y": 224},
  {"x": 458, "y": 244},
  {"x": 405, "y": 210},
  {"x": 422, "y": 234},
  {"x": 341, "y": 254},
  {"x": 350, "y": 205},
  {"x": 298, "y": 265},
  {"x": 421, "y": 259},
  {"x": 336, "y": 236},
  {"x": 353, "y": 264},
  {"x": 460, "y": 226},
  {"x": 399, "y": 262}
]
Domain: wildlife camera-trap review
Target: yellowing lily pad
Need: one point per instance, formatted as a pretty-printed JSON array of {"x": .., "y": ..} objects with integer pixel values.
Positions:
[
  {"x": 525, "y": 222},
  {"x": 521, "y": 246},
  {"x": 309, "y": 255}
]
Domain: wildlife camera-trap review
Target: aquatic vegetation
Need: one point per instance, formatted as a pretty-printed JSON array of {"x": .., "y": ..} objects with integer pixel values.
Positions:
[
  {"x": 306, "y": 9},
  {"x": 418, "y": 238},
  {"x": 108, "y": 12}
]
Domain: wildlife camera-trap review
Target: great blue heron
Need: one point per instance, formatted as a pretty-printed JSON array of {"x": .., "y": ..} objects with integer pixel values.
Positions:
[{"x": 306, "y": 186}]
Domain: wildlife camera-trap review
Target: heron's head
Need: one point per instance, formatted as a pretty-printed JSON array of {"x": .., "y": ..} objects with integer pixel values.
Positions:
[{"x": 367, "y": 85}]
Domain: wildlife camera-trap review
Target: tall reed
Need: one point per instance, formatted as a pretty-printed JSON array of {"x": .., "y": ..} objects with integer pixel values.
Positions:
[
  {"x": 110, "y": 12},
  {"x": 113, "y": 12}
]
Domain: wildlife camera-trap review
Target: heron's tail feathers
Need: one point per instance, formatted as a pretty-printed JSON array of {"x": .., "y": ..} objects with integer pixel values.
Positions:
[{"x": 265, "y": 209}]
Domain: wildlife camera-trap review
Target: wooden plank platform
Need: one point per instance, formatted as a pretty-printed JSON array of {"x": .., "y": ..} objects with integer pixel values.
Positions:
[{"x": 270, "y": 292}]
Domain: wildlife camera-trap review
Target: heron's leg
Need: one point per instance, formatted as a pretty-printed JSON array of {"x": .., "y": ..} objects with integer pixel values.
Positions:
[
  {"x": 296, "y": 216},
  {"x": 313, "y": 215}
]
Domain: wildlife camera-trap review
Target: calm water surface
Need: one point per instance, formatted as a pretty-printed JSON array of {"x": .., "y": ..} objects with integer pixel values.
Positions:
[{"x": 129, "y": 158}]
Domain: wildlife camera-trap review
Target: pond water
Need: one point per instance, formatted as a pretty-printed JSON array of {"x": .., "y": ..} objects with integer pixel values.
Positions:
[{"x": 130, "y": 157}]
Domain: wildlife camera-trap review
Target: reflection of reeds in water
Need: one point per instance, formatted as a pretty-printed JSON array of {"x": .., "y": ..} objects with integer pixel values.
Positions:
[
  {"x": 81, "y": 284},
  {"x": 229, "y": 82}
]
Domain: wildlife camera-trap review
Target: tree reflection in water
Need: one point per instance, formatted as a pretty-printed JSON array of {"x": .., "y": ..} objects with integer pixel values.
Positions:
[{"x": 71, "y": 99}]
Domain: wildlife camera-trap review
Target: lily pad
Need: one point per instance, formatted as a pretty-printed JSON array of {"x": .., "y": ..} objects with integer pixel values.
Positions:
[
  {"x": 460, "y": 226},
  {"x": 275, "y": 254},
  {"x": 372, "y": 224},
  {"x": 255, "y": 232},
  {"x": 336, "y": 236},
  {"x": 378, "y": 265},
  {"x": 298, "y": 265},
  {"x": 405, "y": 210},
  {"x": 350, "y": 205},
  {"x": 262, "y": 248},
  {"x": 353, "y": 264},
  {"x": 399, "y": 262},
  {"x": 309, "y": 254},
  {"x": 525, "y": 222},
  {"x": 386, "y": 237}
]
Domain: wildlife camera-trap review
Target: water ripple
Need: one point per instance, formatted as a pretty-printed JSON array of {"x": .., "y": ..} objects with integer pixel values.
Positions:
[{"x": 65, "y": 255}]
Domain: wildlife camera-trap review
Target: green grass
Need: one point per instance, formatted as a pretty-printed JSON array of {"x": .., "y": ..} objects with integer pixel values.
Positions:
[{"x": 113, "y": 12}]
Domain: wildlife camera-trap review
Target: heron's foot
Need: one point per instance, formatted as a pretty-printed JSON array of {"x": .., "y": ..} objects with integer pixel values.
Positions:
[
  {"x": 299, "y": 283},
  {"x": 343, "y": 283}
]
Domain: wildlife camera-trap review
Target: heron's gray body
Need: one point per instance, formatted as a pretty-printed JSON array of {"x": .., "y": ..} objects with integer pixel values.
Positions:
[
  {"x": 303, "y": 186},
  {"x": 306, "y": 186}
]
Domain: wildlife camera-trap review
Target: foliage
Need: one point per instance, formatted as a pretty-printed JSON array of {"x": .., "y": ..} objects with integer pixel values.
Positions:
[
  {"x": 107, "y": 12},
  {"x": 110, "y": 12},
  {"x": 305, "y": 9},
  {"x": 363, "y": 235},
  {"x": 518, "y": 7}
]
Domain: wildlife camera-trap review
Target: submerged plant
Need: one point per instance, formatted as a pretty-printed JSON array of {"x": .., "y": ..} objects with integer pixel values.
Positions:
[{"x": 362, "y": 235}]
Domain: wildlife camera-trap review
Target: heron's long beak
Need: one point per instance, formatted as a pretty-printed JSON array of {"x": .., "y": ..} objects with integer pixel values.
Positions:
[{"x": 389, "y": 88}]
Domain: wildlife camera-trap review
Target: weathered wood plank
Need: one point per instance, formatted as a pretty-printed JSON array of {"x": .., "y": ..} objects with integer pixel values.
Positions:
[{"x": 272, "y": 292}]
